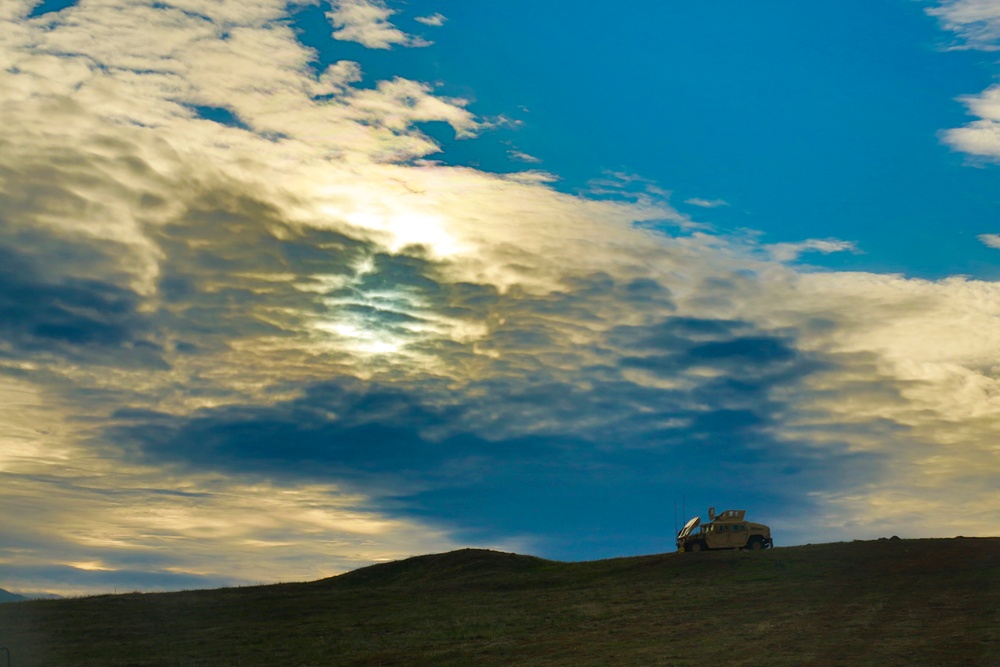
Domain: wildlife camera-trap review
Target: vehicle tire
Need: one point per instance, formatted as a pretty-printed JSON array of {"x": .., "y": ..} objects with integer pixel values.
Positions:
[
  {"x": 755, "y": 544},
  {"x": 695, "y": 547}
]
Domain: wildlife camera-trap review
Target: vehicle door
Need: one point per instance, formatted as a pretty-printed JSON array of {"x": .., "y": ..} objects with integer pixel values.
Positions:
[
  {"x": 718, "y": 537},
  {"x": 738, "y": 535}
]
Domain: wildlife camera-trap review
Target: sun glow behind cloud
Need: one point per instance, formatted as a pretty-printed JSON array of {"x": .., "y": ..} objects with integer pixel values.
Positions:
[{"x": 290, "y": 344}]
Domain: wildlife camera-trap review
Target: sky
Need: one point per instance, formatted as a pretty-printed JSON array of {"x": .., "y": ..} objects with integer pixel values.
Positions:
[{"x": 288, "y": 289}]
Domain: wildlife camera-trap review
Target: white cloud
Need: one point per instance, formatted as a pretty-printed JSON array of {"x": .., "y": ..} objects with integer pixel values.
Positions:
[
  {"x": 521, "y": 156},
  {"x": 436, "y": 20},
  {"x": 977, "y": 22},
  {"x": 788, "y": 252},
  {"x": 980, "y": 137},
  {"x": 367, "y": 22},
  {"x": 706, "y": 203},
  {"x": 991, "y": 240}
]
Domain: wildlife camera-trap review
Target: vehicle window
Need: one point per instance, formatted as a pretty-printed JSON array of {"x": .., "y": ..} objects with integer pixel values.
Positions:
[{"x": 723, "y": 529}]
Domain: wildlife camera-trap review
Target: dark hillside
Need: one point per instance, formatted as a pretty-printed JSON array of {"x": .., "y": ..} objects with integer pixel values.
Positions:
[
  {"x": 465, "y": 567},
  {"x": 888, "y": 602}
]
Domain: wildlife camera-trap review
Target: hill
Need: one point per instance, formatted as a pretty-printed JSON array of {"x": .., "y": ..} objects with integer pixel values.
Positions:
[
  {"x": 887, "y": 602},
  {"x": 7, "y": 596}
]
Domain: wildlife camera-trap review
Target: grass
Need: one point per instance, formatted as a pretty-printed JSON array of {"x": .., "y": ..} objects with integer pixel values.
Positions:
[{"x": 888, "y": 602}]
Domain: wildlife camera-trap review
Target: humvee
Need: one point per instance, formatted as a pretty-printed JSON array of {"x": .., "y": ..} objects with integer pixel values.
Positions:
[{"x": 728, "y": 530}]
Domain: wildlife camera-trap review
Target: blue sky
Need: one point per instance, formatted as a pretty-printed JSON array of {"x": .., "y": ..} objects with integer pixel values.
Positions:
[
  {"x": 807, "y": 121},
  {"x": 288, "y": 289}
]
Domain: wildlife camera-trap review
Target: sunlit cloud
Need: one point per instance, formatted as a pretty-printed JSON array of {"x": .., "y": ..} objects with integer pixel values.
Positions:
[
  {"x": 990, "y": 240},
  {"x": 521, "y": 156},
  {"x": 977, "y": 24},
  {"x": 787, "y": 252},
  {"x": 436, "y": 20},
  {"x": 367, "y": 22}
]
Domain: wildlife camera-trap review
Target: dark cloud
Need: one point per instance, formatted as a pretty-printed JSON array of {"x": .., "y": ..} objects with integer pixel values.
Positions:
[
  {"x": 349, "y": 429},
  {"x": 756, "y": 350},
  {"x": 745, "y": 363},
  {"x": 45, "y": 312},
  {"x": 587, "y": 461}
]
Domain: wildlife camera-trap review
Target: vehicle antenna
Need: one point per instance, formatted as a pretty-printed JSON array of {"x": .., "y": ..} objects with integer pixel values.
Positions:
[{"x": 676, "y": 529}]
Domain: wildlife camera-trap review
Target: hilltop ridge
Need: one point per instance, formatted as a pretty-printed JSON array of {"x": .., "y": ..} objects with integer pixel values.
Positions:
[{"x": 454, "y": 568}]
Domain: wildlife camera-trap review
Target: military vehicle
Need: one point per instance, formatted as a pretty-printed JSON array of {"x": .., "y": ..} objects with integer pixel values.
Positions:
[{"x": 728, "y": 530}]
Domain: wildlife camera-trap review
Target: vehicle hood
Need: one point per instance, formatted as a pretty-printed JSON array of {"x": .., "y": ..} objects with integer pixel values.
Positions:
[{"x": 688, "y": 527}]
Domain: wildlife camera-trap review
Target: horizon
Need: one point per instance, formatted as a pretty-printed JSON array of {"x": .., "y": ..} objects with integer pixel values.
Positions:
[
  {"x": 286, "y": 287},
  {"x": 42, "y": 595}
]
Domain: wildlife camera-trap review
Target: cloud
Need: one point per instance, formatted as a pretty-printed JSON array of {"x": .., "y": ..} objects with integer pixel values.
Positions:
[
  {"x": 981, "y": 137},
  {"x": 367, "y": 22},
  {"x": 289, "y": 343},
  {"x": 706, "y": 203},
  {"x": 977, "y": 22},
  {"x": 82, "y": 521},
  {"x": 990, "y": 240},
  {"x": 71, "y": 318},
  {"x": 521, "y": 156},
  {"x": 442, "y": 455},
  {"x": 435, "y": 19},
  {"x": 787, "y": 252}
]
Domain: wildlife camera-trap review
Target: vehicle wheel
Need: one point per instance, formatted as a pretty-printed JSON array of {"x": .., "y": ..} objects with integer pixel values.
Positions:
[
  {"x": 756, "y": 544},
  {"x": 695, "y": 547}
]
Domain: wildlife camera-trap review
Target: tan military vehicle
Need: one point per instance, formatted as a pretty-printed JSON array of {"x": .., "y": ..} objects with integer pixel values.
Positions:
[{"x": 728, "y": 530}]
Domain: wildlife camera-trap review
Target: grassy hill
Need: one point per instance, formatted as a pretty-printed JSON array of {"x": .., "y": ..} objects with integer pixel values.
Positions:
[{"x": 887, "y": 602}]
